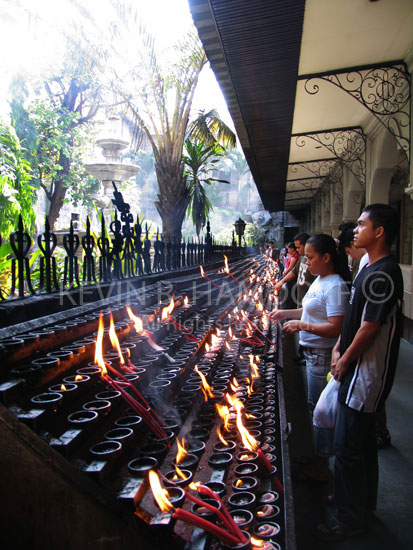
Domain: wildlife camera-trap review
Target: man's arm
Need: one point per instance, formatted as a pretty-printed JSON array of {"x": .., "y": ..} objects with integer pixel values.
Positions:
[
  {"x": 363, "y": 339},
  {"x": 289, "y": 277}
]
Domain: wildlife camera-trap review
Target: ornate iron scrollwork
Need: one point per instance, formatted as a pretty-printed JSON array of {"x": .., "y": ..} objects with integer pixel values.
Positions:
[
  {"x": 71, "y": 244},
  {"x": 105, "y": 258},
  {"x": 346, "y": 144},
  {"x": 47, "y": 242},
  {"x": 383, "y": 89},
  {"x": 20, "y": 243},
  {"x": 88, "y": 245}
]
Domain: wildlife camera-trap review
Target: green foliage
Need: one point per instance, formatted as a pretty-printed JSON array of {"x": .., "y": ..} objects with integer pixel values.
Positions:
[
  {"x": 58, "y": 137},
  {"x": 16, "y": 189},
  {"x": 255, "y": 235},
  {"x": 199, "y": 161},
  {"x": 209, "y": 128},
  {"x": 5, "y": 271}
]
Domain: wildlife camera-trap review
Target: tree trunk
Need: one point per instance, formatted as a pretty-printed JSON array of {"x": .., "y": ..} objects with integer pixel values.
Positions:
[
  {"x": 173, "y": 199},
  {"x": 56, "y": 202}
]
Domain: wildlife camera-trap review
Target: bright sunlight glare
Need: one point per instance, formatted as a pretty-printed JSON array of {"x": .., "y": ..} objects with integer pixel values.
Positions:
[{"x": 32, "y": 31}]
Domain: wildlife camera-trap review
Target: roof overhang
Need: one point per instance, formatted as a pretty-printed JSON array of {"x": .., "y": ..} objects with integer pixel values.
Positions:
[{"x": 264, "y": 55}]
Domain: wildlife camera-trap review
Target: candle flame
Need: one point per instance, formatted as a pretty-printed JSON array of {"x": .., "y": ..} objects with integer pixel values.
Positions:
[
  {"x": 214, "y": 340},
  {"x": 259, "y": 306},
  {"x": 239, "y": 483},
  {"x": 166, "y": 311},
  {"x": 257, "y": 543},
  {"x": 99, "y": 346},
  {"x": 226, "y": 268},
  {"x": 182, "y": 452},
  {"x": 194, "y": 485},
  {"x": 221, "y": 437},
  {"x": 202, "y": 271},
  {"x": 180, "y": 473},
  {"x": 78, "y": 377},
  {"x": 159, "y": 493},
  {"x": 63, "y": 387},
  {"x": 227, "y": 345},
  {"x": 136, "y": 320},
  {"x": 186, "y": 301},
  {"x": 205, "y": 385},
  {"x": 234, "y": 384},
  {"x": 114, "y": 340},
  {"x": 223, "y": 412},
  {"x": 207, "y": 348},
  {"x": 230, "y": 332},
  {"x": 248, "y": 440}
]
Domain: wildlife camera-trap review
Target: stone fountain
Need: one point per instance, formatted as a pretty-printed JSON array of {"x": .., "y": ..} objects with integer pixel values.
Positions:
[{"x": 113, "y": 169}]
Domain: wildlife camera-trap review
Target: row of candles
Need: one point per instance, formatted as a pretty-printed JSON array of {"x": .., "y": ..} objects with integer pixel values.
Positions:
[
  {"x": 248, "y": 441},
  {"x": 132, "y": 396}
]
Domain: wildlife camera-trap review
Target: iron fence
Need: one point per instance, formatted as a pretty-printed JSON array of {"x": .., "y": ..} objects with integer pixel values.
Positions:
[{"x": 122, "y": 251}]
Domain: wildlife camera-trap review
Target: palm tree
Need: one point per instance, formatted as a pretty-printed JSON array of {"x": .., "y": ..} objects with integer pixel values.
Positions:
[
  {"x": 199, "y": 162},
  {"x": 209, "y": 128},
  {"x": 166, "y": 96}
]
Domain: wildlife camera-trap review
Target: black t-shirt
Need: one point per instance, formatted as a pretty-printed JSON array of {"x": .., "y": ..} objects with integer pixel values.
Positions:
[{"x": 376, "y": 296}]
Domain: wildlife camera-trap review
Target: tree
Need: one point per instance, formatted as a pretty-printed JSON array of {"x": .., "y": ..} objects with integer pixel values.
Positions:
[
  {"x": 199, "y": 162},
  {"x": 16, "y": 189},
  {"x": 166, "y": 96},
  {"x": 73, "y": 98}
]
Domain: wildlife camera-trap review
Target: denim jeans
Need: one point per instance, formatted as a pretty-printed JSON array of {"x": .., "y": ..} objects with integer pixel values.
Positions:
[{"x": 318, "y": 365}]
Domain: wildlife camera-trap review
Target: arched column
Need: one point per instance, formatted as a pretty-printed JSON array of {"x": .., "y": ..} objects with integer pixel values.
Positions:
[{"x": 384, "y": 159}]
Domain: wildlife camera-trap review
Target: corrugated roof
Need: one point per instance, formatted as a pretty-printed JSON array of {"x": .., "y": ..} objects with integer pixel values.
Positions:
[{"x": 253, "y": 47}]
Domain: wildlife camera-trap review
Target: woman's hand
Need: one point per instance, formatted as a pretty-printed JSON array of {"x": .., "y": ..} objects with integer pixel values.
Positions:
[
  {"x": 292, "y": 326},
  {"x": 276, "y": 315}
]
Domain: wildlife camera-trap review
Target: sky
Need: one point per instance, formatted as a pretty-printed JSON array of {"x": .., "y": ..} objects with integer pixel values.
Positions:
[{"x": 31, "y": 37}]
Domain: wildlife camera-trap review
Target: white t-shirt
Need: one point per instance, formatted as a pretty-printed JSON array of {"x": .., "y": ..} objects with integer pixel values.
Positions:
[
  {"x": 363, "y": 262},
  {"x": 327, "y": 297}
]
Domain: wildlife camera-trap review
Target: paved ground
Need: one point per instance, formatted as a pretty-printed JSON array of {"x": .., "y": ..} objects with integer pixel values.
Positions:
[{"x": 392, "y": 527}]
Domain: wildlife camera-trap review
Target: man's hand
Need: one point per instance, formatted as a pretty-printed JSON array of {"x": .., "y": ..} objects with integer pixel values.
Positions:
[
  {"x": 335, "y": 356},
  {"x": 278, "y": 286},
  {"x": 339, "y": 369},
  {"x": 292, "y": 326}
]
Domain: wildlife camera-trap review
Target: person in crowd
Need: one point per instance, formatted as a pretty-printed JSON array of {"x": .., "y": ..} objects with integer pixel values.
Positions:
[
  {"x": 301, "y": 277},
  {"x": 360, "y": 259},
  {"x": 364, "y": 361},
  {"x": 319, "y": 321},
  {"x": 283, "y": 258},
  {"x": 272, "y": 251},
  {"x": 292, "y": 259}
]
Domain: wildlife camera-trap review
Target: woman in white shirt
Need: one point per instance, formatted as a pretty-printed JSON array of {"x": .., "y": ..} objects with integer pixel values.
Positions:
[{"x": 320, "y": 318}]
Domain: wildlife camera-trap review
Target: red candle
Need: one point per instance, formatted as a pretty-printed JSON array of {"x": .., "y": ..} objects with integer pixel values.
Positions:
[
  {"x": 193, "y": 519},
  {"x": 266, "y": 464}
]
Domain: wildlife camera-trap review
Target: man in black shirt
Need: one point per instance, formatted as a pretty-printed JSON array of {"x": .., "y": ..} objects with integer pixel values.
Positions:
[{"x": 364, "y": 361}]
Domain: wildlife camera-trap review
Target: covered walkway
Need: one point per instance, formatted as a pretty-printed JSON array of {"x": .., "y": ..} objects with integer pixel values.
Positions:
[{"x": 392, "y": 526}]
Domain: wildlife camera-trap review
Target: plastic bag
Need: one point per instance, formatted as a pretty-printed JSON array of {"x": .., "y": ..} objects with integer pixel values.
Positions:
[
  {"x": 324, "y": 419},
  {"x": 326, "y": 409}
]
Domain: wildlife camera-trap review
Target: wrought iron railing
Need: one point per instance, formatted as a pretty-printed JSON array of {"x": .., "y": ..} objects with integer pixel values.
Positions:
[{"x": 124, "y": 251}]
